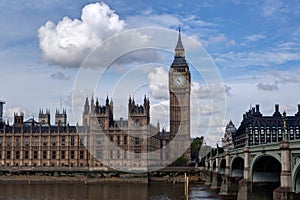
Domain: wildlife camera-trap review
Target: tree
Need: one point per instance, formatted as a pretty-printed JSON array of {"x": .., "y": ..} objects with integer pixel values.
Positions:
[
  {"x": 181, "y": 161},
  {"x": 195, "y": 149}
]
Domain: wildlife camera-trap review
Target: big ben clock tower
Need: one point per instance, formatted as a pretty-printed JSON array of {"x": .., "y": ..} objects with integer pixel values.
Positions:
[{"x": 180, "y": 90}]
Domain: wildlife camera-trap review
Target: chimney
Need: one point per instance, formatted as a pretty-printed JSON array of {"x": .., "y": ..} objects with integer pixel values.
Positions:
[
  {"x": 276, "y": 108},
  {"x": 257, "y": 108}
]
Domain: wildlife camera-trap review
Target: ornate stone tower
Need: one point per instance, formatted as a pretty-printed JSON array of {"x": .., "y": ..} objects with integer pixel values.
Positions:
[
  {"x": 44, "y": 117},
  {"x": 104, "y": 114},
  {"x": 61, "y": 118},
  {"x": 138, "y": 115},
  {"x": 18, "y": 119},
  {"x": 98, "y": 116},
  {"x": 180, "y": 90}
]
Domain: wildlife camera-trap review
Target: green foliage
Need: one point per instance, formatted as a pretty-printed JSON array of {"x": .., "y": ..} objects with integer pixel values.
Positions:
[
  {"x": 195, "y": 148},
  {"x": 181, "y": 161}
]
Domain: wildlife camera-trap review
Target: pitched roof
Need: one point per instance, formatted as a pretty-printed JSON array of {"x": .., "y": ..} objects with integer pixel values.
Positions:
[{"x": 179, "y": 45}]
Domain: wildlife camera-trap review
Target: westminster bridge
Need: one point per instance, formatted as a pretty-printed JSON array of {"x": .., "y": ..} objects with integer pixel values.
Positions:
[{"x": 240, "y": 171}]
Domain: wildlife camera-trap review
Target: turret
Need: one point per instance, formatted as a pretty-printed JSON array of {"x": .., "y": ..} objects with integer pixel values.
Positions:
[
  {"x": 129, "y": 103},
  {"x": 107, "y": 101},
  {"x": 86, "y": 111},
  {"x": 138, "y": 115},
  {"x": 97, "y": 105},
  {"x": 146, "y": 103},
  {"x": 100, "y": 115},
  {"x": 92, "y": 105},
  {"x": 111, "y": 105},
  {"x": 61, "y": 118},
  {"x": 44, "y": 117},
  {"x": 18, "y": 119},
  {"x": 86, "y": 106}
]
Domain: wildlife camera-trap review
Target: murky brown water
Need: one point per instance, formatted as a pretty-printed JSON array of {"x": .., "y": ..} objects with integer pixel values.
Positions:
[
  {"x": 116, "y": 191},
  {"x": 153, "y": 191}
]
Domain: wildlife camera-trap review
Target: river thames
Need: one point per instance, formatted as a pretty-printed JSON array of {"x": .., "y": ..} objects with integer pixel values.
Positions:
[
  {"x": 111, "y": 191},
  {"x": 122, "y": 191}
]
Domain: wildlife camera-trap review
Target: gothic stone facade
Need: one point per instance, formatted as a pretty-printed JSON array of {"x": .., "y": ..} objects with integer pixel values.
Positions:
[
  {"x": 179, "y": 91},
  {"x": 101, "y": 141},
  {"x": 132, "y": 144},
  {"x": 227, "y": 140},
  {"x": 39, "y": 144}
]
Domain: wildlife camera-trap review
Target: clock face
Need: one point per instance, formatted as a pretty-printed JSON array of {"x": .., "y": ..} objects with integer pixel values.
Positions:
[{"x": 179, "y": 80}]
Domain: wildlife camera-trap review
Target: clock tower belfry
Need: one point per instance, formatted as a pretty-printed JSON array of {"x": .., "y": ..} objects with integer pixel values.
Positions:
[{"x": 179, "y": 91}]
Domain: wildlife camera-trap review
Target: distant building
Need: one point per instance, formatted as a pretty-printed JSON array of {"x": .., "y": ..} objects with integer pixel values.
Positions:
[
  {"x": 122, "y": 144},
  {"x": 227, "y": 140},
  {"x": 102, "y": 141},
  {"x": 30, "y": 143},
  {"x": 266, "y": 129}
]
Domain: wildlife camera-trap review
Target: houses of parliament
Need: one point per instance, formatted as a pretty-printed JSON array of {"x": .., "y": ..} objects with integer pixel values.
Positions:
[{"x": 102, "y": 142}]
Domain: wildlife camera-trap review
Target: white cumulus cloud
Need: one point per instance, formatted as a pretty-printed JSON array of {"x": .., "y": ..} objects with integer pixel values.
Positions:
[
  {"x": 70, "y": 40},
  {"x": 158, "y": 85}
]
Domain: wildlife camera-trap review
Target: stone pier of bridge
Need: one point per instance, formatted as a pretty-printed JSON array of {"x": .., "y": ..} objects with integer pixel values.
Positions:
[
  {"x": 229, "y": 184},
  {"x": 216, "y": 176},
  {"x": 247, "y": 167}
]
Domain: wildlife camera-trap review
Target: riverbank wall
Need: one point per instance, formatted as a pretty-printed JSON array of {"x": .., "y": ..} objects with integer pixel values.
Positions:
[{"x": 172, "y": 175}]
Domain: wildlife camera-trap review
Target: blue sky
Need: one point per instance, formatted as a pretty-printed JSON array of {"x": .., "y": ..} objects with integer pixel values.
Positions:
[{"x": 254, "y": 44}]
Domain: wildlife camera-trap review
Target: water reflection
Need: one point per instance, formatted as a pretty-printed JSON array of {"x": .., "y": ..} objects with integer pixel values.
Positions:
[{"x": 153, "y": 191}]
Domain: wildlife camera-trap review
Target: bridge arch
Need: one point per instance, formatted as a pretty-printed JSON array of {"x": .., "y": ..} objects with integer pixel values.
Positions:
[
  {"x": 222, "y": 166},
  {"x": 266, "y": 168},
  {"x": 296, "y": 177},
  {"x": 237, "y": 167}
]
